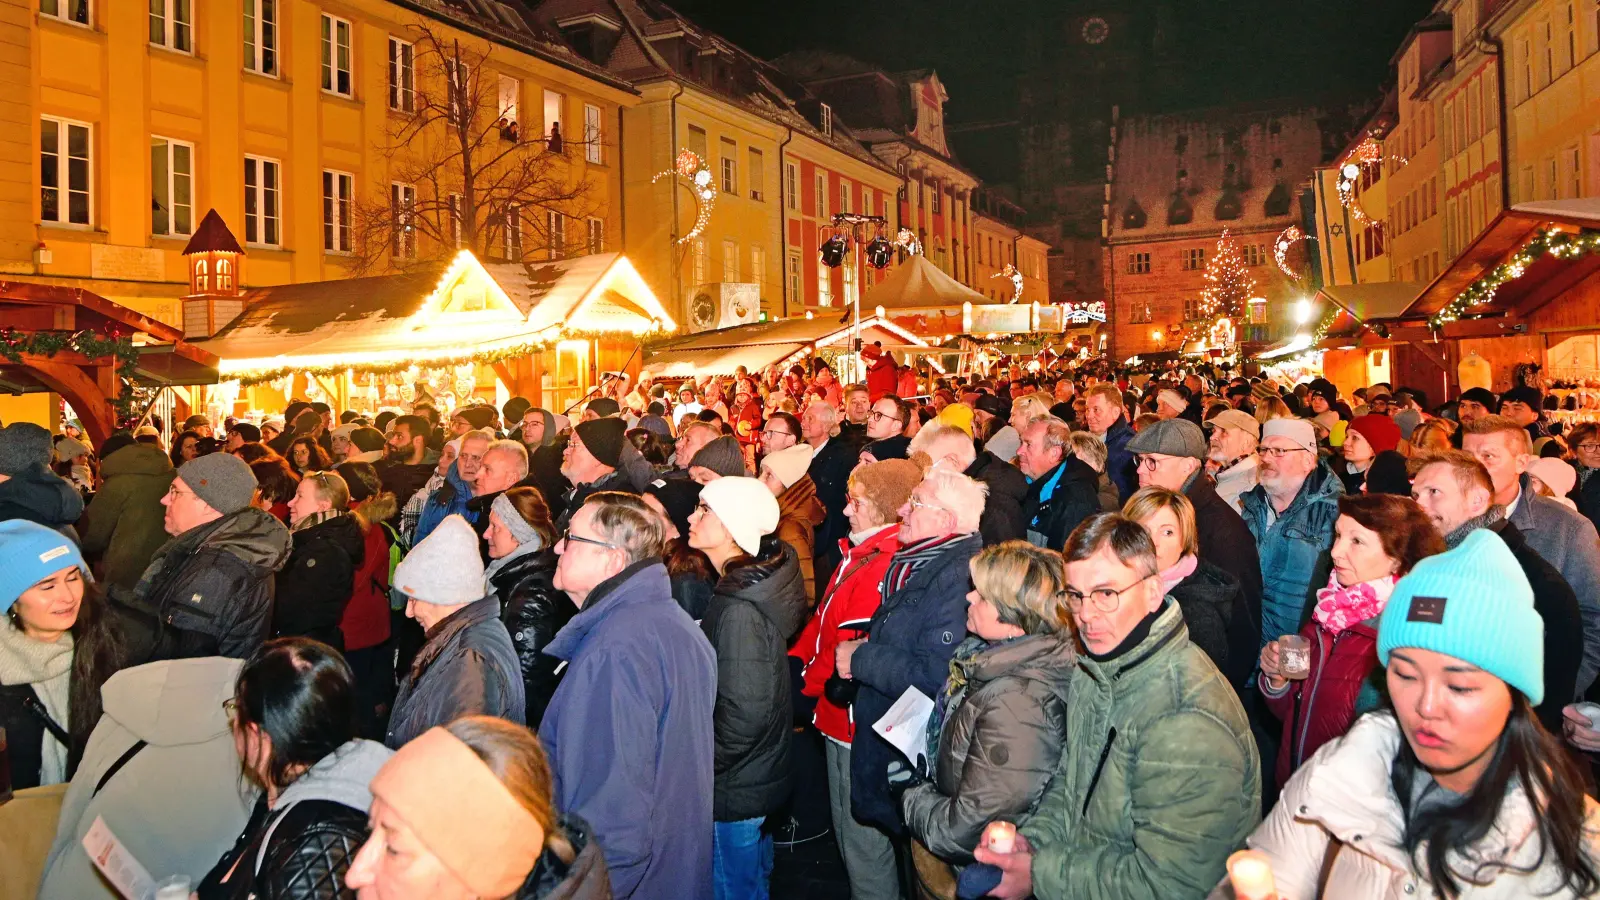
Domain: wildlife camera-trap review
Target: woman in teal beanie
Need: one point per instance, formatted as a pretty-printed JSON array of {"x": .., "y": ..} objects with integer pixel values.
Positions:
[{"x": 1453, "y": 788}]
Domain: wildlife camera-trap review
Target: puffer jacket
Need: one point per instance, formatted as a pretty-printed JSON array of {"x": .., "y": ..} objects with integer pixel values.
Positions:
[
  {"x": 1340, "y": 812},
  {"x": 754, "y": 611},
  {"x": 315, "y": 584},
  {"x": 909, "y": 644},
  {"x": 210, "y": 589},
  {"x": 466, "y": 667},
  {"x": 585, "y": 878},
  {"x": 301, "y": 847},
  {"x": 1163, "y": 782},
  {"x": 122, "y": 528},
  {"x": 1220, "y": 622},
  {"x": 853, "y": 595},
  {"x": 1008, "y": 491},
  {"x": 1294, "y": 548},
  {"x": 799, "y": 514},
  {"x": 449, "y": 500},
  {"x": 1076, "y": 497},
  {"x": 533, "y": 611},
  {"x": 1001, "y": 740},
  {"x": 1320, "y": 707},
  {"x": 37, "y": 494},
  {"x": 1225, "y": 541}
]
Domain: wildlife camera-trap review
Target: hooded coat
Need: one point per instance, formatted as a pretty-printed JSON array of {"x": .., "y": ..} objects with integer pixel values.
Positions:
[
  {"x": 1005, "y": 725},
  {"x": 161, "y": 770},
  {"x": 37, "y": 494},
  {"x": 301, "y": 847},
  {"x": 534, "y": 612},
  {"x": 466, "y": 667},
  {"x": 1002, "y": 518},
  {"x": 210, "y": 589},
  {"x": 1163, "y": 781},
  {"x": 315, "y": 584},
  {"x": 585, "y": 878},
  {"x": 1294, "y": 548},
  {"x": 799, "y": 514},
  {"x": 756, "y": 607},
  {"x": 122, "y": 527}
]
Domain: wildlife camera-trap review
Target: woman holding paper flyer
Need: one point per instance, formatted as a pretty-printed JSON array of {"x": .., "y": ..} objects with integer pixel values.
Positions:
[{"x": 998, "y": 726}]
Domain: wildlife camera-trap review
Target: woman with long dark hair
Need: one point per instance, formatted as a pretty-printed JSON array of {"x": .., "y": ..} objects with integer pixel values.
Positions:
[
  {"x": 185, "y": 447},
  {"x": 1453, "y": 789},
  {"x": 293, "y": 719},
  {"x": 366, "y": 624},
  {"x": 306, "y": 455},
  {"x": 276, "y": 484}
]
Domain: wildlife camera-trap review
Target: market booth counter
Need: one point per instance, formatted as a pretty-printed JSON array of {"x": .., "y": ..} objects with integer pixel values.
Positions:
[{"x": 460, "y": 330}]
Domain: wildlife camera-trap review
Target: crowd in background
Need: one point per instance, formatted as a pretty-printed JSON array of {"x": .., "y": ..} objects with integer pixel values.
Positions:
[{"x": 511, "y": 652}]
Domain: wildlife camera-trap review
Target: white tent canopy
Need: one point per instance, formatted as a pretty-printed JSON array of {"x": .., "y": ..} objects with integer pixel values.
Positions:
[{"x": 919, "y": 284}]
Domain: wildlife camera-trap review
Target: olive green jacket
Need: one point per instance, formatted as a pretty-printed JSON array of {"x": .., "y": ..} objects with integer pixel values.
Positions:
[{"x": 1161, "y": 780}]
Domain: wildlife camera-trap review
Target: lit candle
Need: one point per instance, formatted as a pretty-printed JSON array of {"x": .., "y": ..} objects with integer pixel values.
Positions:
[
  {"x": 1251, "y": 875},
  {"x": 1001, "y": 836}
]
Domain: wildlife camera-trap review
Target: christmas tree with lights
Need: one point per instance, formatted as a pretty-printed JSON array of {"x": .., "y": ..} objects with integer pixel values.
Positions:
[{"x": 1228, "y": 288}]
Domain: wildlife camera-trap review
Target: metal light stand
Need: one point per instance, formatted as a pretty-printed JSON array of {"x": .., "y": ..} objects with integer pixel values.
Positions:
[{"x": 850, "y": 228}]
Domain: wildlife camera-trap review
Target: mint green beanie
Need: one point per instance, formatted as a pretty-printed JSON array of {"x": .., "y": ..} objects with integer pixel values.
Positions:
[{"x": 1472, "y": 603}]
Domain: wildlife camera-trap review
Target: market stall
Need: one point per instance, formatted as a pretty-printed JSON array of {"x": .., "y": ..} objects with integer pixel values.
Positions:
[{"x": 781, "y": 342}]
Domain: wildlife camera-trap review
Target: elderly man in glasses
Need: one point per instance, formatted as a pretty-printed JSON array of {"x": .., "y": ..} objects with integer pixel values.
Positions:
[
  {"x": 1291, "y": 513},
  {"x": 1162, "y": 780}
]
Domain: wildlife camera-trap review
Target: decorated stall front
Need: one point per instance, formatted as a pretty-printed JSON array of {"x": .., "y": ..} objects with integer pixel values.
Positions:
[{"x": 458, "y": 331}]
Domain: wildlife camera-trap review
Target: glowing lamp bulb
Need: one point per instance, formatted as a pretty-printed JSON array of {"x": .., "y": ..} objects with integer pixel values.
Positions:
[
  {"x": 702, "y": 177},
  {"x": 1351, "y": 171}
]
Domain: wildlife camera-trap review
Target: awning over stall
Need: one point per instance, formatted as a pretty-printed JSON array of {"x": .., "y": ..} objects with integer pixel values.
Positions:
[{"x": 764, "y": 344}]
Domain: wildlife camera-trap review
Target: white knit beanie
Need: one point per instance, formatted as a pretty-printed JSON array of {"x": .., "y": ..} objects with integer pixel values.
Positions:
[
  {"x": 445, "y": 568},
  {"x": 1172, "y": 398},
  {"x": 747, "y": 509},
  {"x": 789, "y": 465}
]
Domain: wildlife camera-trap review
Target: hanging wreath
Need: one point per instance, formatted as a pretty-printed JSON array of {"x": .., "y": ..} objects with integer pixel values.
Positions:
[{"x": 88, "y": 343}]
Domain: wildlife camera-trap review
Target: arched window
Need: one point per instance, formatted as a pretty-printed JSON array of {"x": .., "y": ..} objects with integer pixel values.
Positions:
[
  {"x": 202, "y": 280},
  {"x": 224, "y": 274}
]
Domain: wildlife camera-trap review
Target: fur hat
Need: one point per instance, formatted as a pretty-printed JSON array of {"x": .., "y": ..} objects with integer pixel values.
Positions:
[{"x": 888, "y": 484}]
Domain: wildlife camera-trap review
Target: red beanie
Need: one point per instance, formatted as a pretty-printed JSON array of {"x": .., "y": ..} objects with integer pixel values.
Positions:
[{"x": 1379, "y": 430}]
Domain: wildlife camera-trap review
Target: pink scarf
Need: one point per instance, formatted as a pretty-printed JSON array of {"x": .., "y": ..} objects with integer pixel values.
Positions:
[
  {"x": 1180, "y": 570},
  {"x": 1338, "y": 608}
]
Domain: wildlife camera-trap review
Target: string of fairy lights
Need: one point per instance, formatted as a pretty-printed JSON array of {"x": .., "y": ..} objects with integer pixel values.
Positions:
[
  {"x": 1228, "y": 285},
  {"x": 1567, "y": 245},
  {"x": 690, "y": 171}
]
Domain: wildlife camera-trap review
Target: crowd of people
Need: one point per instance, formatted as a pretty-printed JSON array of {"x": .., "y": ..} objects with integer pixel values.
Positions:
[{"x": 501, "y": 652}]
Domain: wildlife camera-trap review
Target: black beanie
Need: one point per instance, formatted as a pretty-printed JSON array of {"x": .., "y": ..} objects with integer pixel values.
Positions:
[
  {"x": 678, "y": 496},
  {"x": 603, "y": 439},
  {"x": 604, "y": 406},
  {"x": 1387, "y": 475}
]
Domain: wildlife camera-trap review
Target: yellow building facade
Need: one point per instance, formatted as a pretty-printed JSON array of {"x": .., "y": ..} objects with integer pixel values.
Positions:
[
  {"x": 130, "y": 120},
  {"x": 1552, "y": 54},
  {"x": 996, "y": 244}
]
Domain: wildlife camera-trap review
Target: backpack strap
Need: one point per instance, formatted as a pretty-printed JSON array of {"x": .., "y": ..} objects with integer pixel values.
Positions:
[{"x": 116, "y": 767}]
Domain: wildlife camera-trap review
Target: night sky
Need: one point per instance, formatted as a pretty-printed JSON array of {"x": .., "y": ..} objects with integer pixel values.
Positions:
[{"x": 1243, "y": 50}]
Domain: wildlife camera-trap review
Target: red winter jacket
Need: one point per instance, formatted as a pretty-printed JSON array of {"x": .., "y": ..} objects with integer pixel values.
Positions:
[
  {"x": 1323, "y": 706},
  {"x": 881, "y": 376},
  {"x": 366, "y": 617},
  {"x": 852, "y": 596}
]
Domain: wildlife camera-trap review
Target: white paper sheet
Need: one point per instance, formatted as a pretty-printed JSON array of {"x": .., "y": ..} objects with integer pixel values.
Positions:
[
  {"x": 114, "y": 861},
  {"x": 905, "y": 725}
]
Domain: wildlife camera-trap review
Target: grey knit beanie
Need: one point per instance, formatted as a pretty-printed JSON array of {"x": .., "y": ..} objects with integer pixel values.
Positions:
[
  {"x": 222, "y": 480},
  {"x": 723, "y": 457},
  {"x": 23, "y": 445}
]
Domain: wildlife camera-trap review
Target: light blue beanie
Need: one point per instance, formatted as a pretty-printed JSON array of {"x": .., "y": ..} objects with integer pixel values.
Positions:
[
  {"x": 1472, "y": 603},
  {"x": 31, "y": 553}
]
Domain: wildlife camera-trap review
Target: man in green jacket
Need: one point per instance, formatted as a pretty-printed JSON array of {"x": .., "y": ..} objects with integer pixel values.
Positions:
[
  {"x": 1161, "y": 780},
  {"x": 121, "y": 530}
]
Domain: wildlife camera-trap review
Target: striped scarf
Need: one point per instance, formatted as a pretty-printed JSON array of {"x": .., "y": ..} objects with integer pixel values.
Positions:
[{"x": 908, "y": 559}]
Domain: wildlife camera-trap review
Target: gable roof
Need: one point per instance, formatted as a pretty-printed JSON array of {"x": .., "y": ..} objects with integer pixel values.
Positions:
[{"x": 919, "y": 284}]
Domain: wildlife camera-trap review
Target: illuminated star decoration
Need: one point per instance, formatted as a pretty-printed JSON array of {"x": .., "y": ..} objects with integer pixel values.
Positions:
[
  {"x": 907, "y": 241},
  {"x": 1011, "y": 272},
  {"x": 1364, "y": 156},
  {"x": 1281, "y": 247},
  {"x": 693, "y": 174}
]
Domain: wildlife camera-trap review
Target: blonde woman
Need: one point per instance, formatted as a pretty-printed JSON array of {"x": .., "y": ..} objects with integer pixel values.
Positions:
[
  {"x": 1432, "y": 435},
  {"x": 1000, "y": 724},
  {"x": 1268, "y": 408},
  {"x": 1214, "y": 606}
]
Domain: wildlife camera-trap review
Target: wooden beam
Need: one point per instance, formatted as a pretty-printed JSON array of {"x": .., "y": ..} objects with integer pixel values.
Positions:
[
  {"x": 1463, "y": 328},
  {"x": 1432, "y": 354},
  {"x": 88, "y": 396},
  {"x": 1570, "y": 277}
]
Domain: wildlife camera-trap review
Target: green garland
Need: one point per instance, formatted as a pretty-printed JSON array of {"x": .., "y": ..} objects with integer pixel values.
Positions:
[
  {"x": 1560, "y": 244},
  {"x": 90, "y": 344}
]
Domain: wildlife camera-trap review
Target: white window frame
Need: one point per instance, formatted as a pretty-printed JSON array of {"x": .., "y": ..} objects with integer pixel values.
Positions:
[
  {"x": 402, "y": 215},
  {"x": 822, "y": 195},
  {"x": 728, "y": 167},
  {"x": 177, "y": 34},
  {"x": 328, "y": 40},
  {"x": 700, "y": 262},
  {"x": 791, "y": 180},
  {"x": 402, "y": 77},
  {"x": 560, "y": 105},
  {"x": 338, "y": 194},
  {"x": 173, "y": 179},
  {"x": 458, "y": 84},
  {"x": 756, "y": 174},
  {"x": 796, "y": 286},
  {"x": 261, "y": 194},
  {"x": 261, "y": 37},
  {"x": 85, "y": 6},
  {"x": 595, "y": 229},
  {"x": 555, "y": 225},
  {"x": 844, "y": 196},
  {"x": 825, "y": 118},
  {"x": 758, "y": 264},
  {"x": 1139, "y": 262},
  {"x": 593, "y": 129},
  {"x": 851, "y": 289},
  {"x": 824, "y": 285},
  {"x": 63, "y": 165},
  {"x": 730, "y": 260}
]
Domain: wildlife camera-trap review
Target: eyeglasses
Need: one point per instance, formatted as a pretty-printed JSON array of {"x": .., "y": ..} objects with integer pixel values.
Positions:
[
  {"x": 1104, "y": 599},
  {"x": 174, "y": 493},
  {"x": 875, "y": 416},
  {"x": 1277, "y": 452},
  {"x": 770, "y": 434},
  {"x": 568, "y": 537},
  {"x": 1589, "y": 447},
  {"x": 1149, "y": 463},
  {"x": 918, "y": 504}
]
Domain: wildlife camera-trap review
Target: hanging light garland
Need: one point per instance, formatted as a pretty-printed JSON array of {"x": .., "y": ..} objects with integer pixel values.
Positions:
[
  {"x": 693, "y": 174},
  {"x": 1549, "y": 241},
  {"x": 1283, "y": 244},
  {"x": 1364, "y": 156},
  {"x": 88, "y": 343},
  {"x": 1011, "y": 274}
]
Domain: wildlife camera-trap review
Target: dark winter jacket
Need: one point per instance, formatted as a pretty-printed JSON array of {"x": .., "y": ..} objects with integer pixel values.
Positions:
[
  {"x": 1557, "y": 605},
  {"x": 1567, "y": 541},
  {"x": 830, "y": 469},
  {"x": 403, "y": 479},
  {"x": 37, "y": 494},
  {"x": 533, "y": 612},
  {"x": 1119, "y": 462},
  {"x": 1220, "y": 622},
  {"x": 585, "y": 878},
  {"x": 449, "y": 500},
  {"x": 466, "y": 667},
  {"x": 209, "y": 591},
  {"x": 315, "y": 584},
  {"x": 1226, "y": 542},
  {"x": 301, "y": 848},
  {"x": 1001, "y": 739},
  {"x": 909, "y": 644},
  {"x": 1294, "y": 548},
  {"x": 755, "y": 609},
  {"x": 1076, "y": 497},
  {"x": 615, "y": 481},
  {"x": 1008, "y": 491},
  {"x": 122, "y": 528},
  {"x": 629, "y": 734}
]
